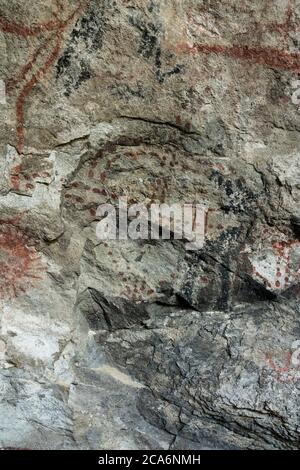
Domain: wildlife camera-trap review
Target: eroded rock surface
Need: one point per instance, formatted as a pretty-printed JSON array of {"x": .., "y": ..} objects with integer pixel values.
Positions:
[{"x": 143, "y": 344}]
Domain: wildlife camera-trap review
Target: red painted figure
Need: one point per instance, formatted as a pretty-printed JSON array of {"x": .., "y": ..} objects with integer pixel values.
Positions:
[{"x": 50, "y": 36}]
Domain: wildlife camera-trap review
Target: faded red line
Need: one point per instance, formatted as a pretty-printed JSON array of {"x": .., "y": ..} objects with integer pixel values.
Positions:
[
  {"x": 25, "y": 31},
  {"x": 27, "y": 89},
  {"x": 280, "y": 371},
  {"x": 12, "y": 83},
  {"x": 60, "y": 8},
  {"x": 286, "y": 368},
  {"x": 267, "y": 56},
  {"x": 20, "y": 30}
]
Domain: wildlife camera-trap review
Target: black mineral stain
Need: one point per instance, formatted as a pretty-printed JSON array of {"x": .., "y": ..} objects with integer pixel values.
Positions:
[
  {"x": 87, "y": 36},
  {"x": 149, "y": 33},
  {"x": 150, "y": 47},
  {"x": 238, "y": 197},
  {"x": 161, "y": 76},
  {"x": 228, "y": 282}
]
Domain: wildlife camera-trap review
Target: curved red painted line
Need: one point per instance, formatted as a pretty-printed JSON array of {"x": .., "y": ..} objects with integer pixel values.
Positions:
[
  {"x": 286, "y": 369},
  {"x": 26, "y": 31},
  {"x": 13, "y": 82},
  {"x": 27, "y": 89},
  {"x": 279, "y": 59},
  {"x": 57, "y": 26}
]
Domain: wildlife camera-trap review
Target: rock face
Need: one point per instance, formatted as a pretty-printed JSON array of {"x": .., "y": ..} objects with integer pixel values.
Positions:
[{"x": 141, "y": 344}]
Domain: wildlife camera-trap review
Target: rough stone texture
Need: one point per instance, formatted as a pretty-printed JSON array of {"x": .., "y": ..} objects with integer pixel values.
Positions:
[{"x": 141, "y": 344}]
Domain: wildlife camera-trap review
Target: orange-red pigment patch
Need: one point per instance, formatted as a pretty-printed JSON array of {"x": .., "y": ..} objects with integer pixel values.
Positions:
[{"x": 20, "y": 263}]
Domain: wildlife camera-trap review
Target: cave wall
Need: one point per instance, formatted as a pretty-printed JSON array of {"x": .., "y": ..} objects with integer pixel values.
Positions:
[{"x": 141, "y": 344}]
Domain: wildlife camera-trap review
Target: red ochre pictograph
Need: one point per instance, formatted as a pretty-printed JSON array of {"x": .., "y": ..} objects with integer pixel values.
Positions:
[
  {"x": 275, "y": 58},
  {"x": 283, "y": 374},
  {"x": 20, "y": 263},
  {"x": 50, "y": 36},
  {"x": 267, "y": 56},
  {"x": 285, "y": 275}
]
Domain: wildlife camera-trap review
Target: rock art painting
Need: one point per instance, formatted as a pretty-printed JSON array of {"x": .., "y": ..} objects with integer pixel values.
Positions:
[
  {"x": 20, "y": 264},
  {"x": 141, "y": 339},
  {"x": 50, "y": 36}
]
